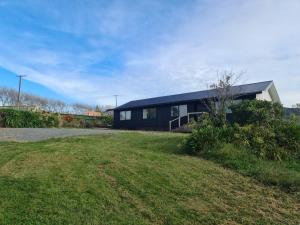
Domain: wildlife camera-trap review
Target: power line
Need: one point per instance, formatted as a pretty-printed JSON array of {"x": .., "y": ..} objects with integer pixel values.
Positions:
[{"x": 20, "y": 84}]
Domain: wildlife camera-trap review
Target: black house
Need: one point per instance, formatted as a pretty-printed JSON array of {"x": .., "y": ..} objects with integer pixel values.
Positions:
[{"x": 169, "y": 112}]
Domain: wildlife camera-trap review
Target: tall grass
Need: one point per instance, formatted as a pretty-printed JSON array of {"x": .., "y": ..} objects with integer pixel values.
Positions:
[{"x": 285, "y": 174}]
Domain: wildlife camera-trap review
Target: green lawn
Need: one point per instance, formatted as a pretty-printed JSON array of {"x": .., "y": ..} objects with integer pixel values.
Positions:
[{"x": 130, "y": 178}]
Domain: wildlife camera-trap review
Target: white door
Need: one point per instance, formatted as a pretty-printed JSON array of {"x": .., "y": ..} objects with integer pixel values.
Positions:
[{"x": 182, "y": 110}]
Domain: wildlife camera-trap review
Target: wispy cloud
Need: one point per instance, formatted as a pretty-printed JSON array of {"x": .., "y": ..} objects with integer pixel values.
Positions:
[{"x": 87, "y": 50}]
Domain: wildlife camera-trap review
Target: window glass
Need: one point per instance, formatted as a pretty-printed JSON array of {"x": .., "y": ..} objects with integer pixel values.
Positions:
[
  {"x": 174, "y": 111},
  {"x": 125, "y": 115},
  {"x": 122, "y": 115},
  {"x": 145, "y": 114},
  {"x": 149, "y": 113},
  {"x": 183, "y": 110},
  {"x": 128, "y": 115},
  {"x": 177, "y": 110}
]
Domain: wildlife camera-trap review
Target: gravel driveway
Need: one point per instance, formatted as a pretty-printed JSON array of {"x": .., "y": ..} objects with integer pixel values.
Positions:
[{"x": 37, "y": 134}]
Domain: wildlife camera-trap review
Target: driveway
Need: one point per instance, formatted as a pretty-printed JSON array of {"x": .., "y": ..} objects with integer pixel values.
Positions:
[{"x": 37, "y": 134}]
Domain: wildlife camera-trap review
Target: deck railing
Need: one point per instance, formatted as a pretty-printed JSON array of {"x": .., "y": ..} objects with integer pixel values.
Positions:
[{"x": 188, "y": 118}]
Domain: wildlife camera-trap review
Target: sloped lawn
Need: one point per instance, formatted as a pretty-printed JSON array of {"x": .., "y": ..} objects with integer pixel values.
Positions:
[{"x": 130, "y": 178}]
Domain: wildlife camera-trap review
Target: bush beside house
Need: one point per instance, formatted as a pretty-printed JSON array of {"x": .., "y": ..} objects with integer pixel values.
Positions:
[
  {"x": 257, "y": 126},
  {"x": 263, "y": 145}
]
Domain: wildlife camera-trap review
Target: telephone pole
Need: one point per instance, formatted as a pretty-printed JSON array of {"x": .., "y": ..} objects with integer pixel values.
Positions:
[
  {"x": 116, "y": 96},
  {"x": 19, "y": 92}
]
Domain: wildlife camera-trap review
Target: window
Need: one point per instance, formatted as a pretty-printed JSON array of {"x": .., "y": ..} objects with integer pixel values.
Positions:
[
  {"x": 233, "y": 102},
  {"x": 149, "y": 113},
  {"x": 228, "y": 105},
  {"x": 177, "y": 110},
  {"x": 125, "y": 115}
]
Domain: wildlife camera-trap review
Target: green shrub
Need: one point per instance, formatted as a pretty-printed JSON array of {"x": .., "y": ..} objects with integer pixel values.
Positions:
[
  {"x": 260, "y": 140},
  {"x": 205, "y": 137},
  {"x": 277, "y": 142},
  {"x": 107, "y": 120},
  {"x": 73, "y": 123},
  {"x": 51, "y": 120},
  {"x": 18, "y": 119},
  {"x": 288, "y": 137},
  {"x": 260, "y": 129},
  {"x": 256, "y": 112}
]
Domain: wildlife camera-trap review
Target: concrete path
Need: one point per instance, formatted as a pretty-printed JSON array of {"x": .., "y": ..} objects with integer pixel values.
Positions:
[{"x": 37, "y": 134}]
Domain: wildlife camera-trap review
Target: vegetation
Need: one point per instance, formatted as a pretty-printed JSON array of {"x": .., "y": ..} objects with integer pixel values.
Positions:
[
  {"x": 285, "y": 174},
  {"x": 134, "y": 178},
  {"x": 81, "y": 121},
  {"x": 224, "y": 96},
  {"x": 259, "y": 127},
  {"x": 263, "y": 113},
  {"x": 19, "y": 118},
  {"x": 262, "y": 129}
]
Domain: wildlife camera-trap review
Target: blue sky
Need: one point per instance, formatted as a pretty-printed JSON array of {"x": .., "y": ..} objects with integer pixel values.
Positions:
[{"x": 89, "y": 50}]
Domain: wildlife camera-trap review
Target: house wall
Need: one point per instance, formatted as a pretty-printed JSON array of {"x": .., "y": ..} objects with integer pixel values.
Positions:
[
  {"x": 265, "y": 95},
  {"x": 163, "y": 116},
  {"x": 270, "y": 94}
]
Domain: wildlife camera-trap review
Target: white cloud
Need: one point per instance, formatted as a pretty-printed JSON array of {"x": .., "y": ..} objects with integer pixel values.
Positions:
[{"x": 259, "y": 36}]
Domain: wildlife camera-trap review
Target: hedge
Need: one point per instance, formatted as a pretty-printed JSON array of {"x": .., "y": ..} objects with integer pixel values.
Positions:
[{"x": 21, "y": 119}]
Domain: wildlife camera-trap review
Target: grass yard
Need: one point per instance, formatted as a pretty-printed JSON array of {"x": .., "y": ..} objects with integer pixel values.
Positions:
[{"x": 130, "y": 178}]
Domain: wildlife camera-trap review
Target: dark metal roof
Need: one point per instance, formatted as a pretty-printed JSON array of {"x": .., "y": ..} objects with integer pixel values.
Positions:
[
  {"x": 292, "y": 111},
  {"x": 198, "y": 95}
]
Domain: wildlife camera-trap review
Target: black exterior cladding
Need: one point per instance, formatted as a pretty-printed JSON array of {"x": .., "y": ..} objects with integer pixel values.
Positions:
[
  {"x": 195, "y": 102},
  {"x": 163, "y": 115},
  {"x": 161, "y": 122}
]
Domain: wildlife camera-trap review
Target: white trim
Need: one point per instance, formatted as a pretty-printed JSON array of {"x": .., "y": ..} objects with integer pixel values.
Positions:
[
  {"x": 269, "y": 94},
  {"x": 194, "y": 113},
  {"x": 171, "y": 121}
]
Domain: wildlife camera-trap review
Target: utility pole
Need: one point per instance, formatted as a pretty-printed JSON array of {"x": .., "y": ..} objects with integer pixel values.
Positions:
[
  {"x": 116, "y": 96},
  {"x": 19, "y": 92}
]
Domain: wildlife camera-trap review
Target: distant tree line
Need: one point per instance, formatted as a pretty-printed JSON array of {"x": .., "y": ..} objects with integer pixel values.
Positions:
[{"x": 9, "y": 97}]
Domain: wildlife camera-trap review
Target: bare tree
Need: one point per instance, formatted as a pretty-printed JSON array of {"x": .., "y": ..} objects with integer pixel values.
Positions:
[
  {"x": 223, "y": 95},
  {"x": 59, "y": 106},
  {"x": 8, "y": 96},
  {"x": 103, "y": 108},
  {"x": 80, "y": 109},
  {"x": 4, "y": 97}
]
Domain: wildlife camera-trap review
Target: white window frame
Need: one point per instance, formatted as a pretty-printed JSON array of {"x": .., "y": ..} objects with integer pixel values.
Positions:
[
  {"x": 126, "y": 115},
  {"x": 179, "y": 113}
]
